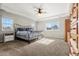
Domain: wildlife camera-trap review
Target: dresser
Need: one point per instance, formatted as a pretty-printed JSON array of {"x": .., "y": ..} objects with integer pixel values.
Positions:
[
  {"x": 8, "y": 36},
  {"x": 7, "y": 29}
]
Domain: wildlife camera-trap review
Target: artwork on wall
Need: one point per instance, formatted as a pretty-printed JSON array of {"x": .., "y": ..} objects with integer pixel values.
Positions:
[{"x": 53, "y": 26}]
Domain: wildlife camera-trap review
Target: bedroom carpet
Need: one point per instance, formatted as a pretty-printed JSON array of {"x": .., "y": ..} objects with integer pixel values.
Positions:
[{"x": 42, "y": 47}]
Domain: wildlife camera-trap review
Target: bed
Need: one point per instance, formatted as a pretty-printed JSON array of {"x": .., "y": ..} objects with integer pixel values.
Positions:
[{"x": 27, "y": 34}]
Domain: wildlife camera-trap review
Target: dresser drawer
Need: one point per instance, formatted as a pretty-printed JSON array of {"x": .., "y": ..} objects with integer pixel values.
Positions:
[{"x": 8, "y": 38}]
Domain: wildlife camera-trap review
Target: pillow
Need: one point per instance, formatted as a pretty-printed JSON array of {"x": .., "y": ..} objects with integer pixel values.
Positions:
[
  {"x": 29, "y": 29},
  {"x": 20, "y": 29}
]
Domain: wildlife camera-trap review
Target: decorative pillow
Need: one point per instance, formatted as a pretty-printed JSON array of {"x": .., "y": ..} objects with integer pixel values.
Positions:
[
  {"x": 20, "y": 29},
  {"x": 24, "y": 29}
]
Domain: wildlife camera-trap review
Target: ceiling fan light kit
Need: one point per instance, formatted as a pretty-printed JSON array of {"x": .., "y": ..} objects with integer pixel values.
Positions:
[
  {"x": 39, "y": 11},
  {"x": 39, "y": 14}
]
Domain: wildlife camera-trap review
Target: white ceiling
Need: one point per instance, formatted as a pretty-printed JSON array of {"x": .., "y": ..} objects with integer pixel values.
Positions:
[{"x": 28, "y": 9}]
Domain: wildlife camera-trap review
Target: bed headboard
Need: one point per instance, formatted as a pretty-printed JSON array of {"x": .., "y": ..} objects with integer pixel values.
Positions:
[{"x": 24, "y": 29}]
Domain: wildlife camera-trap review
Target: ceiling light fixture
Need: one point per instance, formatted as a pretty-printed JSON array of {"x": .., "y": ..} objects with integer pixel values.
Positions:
[{"x": 40, "y": 11}]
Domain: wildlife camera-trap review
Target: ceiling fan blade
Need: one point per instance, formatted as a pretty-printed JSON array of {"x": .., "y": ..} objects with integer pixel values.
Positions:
[
  {"x": 39, "y": 9},
  {"x": 36, "y": 7},
  {"x": 36, "y": 10},
  {"x": 44, "y": 12}
]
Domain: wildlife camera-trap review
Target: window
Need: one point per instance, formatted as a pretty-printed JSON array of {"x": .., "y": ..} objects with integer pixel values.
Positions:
[
  {"x": 7, "y": 22},
  {"x": 52, "y": 26}
]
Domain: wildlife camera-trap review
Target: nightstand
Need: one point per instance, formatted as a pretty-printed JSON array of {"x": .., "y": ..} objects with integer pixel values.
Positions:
[{"x": 8, "y": 37}]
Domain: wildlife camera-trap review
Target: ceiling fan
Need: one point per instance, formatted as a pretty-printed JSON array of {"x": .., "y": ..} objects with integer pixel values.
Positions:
[{"x": 40, "y": 10}]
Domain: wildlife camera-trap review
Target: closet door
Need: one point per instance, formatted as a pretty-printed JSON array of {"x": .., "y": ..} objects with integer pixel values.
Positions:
[{"x": 67, "y": 28}]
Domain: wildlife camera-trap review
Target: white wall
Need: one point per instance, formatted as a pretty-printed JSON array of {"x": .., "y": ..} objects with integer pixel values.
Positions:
[
  {"x": 18, "y": 19},
  {"x": 50, "y": 33},
  {"x": 40, "y": 25}
]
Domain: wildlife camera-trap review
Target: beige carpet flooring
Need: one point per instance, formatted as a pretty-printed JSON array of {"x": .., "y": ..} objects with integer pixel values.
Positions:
[{"x": 42, "y": 47}]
